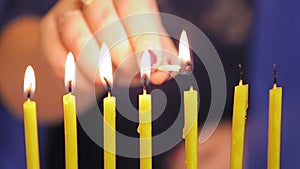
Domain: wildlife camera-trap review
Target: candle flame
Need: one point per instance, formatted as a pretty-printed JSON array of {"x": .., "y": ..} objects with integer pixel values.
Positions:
[
  {"x": 105, "y": 67},
  {"x": 145, "y": 67},
  {"x": 29, "y": 82},
  {"x": 184, "y": 48},
  {"x": 70, "y": 75}
]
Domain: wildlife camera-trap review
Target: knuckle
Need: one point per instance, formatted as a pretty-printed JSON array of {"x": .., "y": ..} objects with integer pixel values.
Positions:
[{"x": 146, "y": 40}]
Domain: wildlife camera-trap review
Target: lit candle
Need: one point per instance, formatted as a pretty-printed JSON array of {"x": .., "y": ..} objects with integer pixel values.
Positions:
[
  {"x": 70, "y": 123},
  {"x": 145, "y": 115},
  {"x": 109, "y": 109},
  {"x": 240, "y": 107},
  {"x": 190, "y": 130},
  {"x": 275, "y": 107},
  {"x": 30, "y": 121}
]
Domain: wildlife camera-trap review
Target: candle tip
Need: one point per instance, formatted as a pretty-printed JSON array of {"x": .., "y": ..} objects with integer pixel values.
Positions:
[
  {"x": 241, "y": 72},
  {"x": 275, "y": 74}
]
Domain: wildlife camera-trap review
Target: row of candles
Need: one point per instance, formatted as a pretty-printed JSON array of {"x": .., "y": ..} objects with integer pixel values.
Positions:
[{"x": 190, "y": 131}]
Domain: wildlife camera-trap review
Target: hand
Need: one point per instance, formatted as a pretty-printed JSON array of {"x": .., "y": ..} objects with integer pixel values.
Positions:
[
  {"x": 73, "y": 25},
  {"x": 70, "y": 26}
]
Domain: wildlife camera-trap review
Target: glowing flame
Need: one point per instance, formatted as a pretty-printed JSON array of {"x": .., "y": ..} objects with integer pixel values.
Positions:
[
  {"x": 29, "y": 82},
  {"x": 145, "y": 65},
  {"x": 105, "y": 67},
  {"x": 70, "y": 77},
  {"x": 184, "y": 48}
]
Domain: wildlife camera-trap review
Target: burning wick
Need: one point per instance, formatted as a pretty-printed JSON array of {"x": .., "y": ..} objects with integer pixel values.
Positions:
[
  {"x": 144, "y": 82},
  {"x": 70, "y": 86},
  {"x": 108, "y": 85}
]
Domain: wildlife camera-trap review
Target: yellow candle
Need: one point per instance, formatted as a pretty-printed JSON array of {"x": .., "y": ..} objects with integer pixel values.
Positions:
[
  {"x": 190, "y": 131},
  {"x": 70, "y": 126},
  {"x": 109, "y": 126},
  {"x": 240, "y": 106},
  {"x": 145, "y": 130},
  {"x": 30, "y": 122},
  {"x": 109, "y": 112},
  {"x": 275, "y": 107},
  {"x": 70, "y": 123},
  {"x": 145, "y": 115}
]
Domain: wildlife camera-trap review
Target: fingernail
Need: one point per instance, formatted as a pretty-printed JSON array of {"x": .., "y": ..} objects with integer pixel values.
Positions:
[
  {"x": 86, "y": 2},
  {"x": 153, "y": 58}
]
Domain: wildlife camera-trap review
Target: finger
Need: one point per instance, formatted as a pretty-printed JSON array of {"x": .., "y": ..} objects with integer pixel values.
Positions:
[
  {"x": 74, "y": 31},
  {"x": 146, "y": 31},
  {"x": 103, "y": 20},
  {"x": 78, "y": 38},
  {"x": 53, "y": 48},
  {"x": 50, "y": 36}
]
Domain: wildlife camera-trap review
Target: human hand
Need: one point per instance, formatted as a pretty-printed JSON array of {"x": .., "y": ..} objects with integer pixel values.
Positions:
[{"x": 72, "y": 25}]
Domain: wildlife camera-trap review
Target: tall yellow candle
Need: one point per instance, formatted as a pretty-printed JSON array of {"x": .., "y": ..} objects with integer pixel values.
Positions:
[
  {"x": 190, "y": 131},
  {"x": 145, "y": 130},
  {"x": 30, "y": 121},
  {"x": 70, "y": 123},
  {"x": 145, "y": 116},
  {"x": 109, "y": 127},
  {"x": 240, "y": 107},
  {"x": 275, "y": 108},
  {"x": 109, "y": 110}
]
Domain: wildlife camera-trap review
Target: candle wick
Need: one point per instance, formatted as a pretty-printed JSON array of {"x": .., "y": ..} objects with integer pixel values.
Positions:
[
  {"x": 28, "y": 94},
  {"x": 186, "y": 67},
  {"x": 275, "y": 74},
  {"x": 144, "y": 82},
  {"x": 107, "y": 85},
  {"x": 70, "y": 86},
  {"x": 190, "y": 79},
  {"x": 241, "y": 72}
]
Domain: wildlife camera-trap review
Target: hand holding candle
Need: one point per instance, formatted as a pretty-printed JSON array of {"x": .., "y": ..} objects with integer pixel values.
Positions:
[
  {"x": 30, "y": 121},
  {"x": 70, "y": 122},
  {"x": 109, "y": 110}
]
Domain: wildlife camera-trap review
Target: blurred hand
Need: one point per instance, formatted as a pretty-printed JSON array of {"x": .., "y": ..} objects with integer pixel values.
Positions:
[{"x": 72, "y": 25}]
